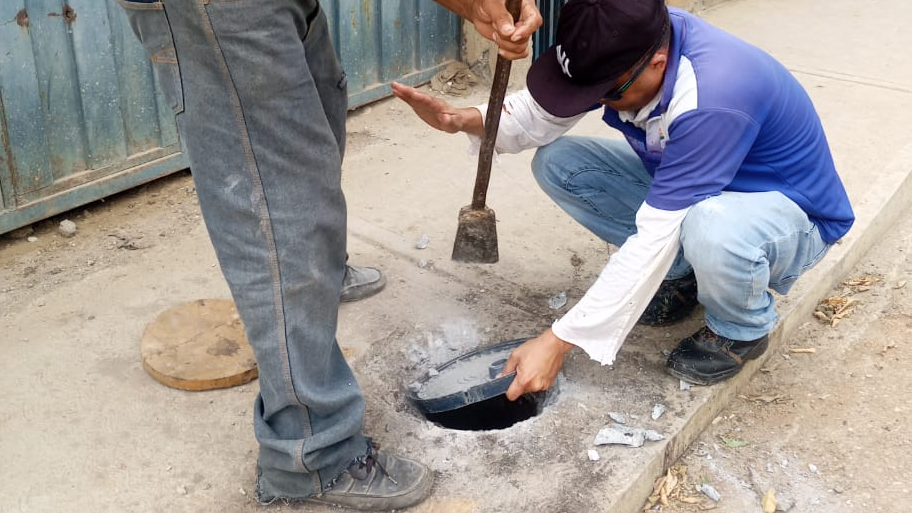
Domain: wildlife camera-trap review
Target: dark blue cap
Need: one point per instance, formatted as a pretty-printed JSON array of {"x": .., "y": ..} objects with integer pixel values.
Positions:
[{"x": 596, "y": 42}]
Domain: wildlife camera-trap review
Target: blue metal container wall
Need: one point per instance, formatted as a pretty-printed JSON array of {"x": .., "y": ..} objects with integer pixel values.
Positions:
[
  {"x": 544, "y": 37},
  {"x": 381, "y": 41},
  {"x": 81, "y": 116}
]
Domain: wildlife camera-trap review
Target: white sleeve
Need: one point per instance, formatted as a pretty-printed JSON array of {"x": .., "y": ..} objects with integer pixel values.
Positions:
[
  {"x": 524, "y": 124},
  {"x": 601, "y": 320}
]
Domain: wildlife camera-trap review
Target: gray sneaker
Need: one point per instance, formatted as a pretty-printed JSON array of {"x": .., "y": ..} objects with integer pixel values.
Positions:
[
  {"x": 379, "y": 481},
  {"x": 361, "y": 282}
]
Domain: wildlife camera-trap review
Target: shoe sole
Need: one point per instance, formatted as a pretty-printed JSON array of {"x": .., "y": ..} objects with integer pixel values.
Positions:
[
  {"x": 407, "y": 499},
  {"x": 712, "y": 379},
  {"x": 368, "y": 290}
]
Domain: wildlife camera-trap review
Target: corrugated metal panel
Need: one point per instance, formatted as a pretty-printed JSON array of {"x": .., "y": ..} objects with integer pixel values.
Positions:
[
  {"x": 544, "y": 37},
  {"x": 382, "y": 41},
  {"x": 81, "y": 116}
]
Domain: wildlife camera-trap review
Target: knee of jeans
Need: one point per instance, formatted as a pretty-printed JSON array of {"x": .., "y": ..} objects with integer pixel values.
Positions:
[{"x": 710, "y": 239}]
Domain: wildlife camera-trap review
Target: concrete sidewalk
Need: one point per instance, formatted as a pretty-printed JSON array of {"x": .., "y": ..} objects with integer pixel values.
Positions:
[{"x": 122, "y": 442}]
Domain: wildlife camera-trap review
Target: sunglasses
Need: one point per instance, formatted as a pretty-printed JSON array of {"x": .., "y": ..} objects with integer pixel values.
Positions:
[{"x": 616, "y": 93}]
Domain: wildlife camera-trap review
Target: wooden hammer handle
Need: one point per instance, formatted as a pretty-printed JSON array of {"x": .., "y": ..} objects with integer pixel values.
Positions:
[{"x": 492, "y": 120}]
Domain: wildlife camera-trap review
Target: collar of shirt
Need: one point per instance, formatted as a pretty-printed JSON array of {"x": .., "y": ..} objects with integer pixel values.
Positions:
[{"x": 639, "y": 118}]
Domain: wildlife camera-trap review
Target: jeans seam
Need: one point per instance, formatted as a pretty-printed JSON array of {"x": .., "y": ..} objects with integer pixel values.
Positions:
[
  {"x": 753, "y": 282},
  {"x": 804, "y": 265},
  {"x": 263, "y": 213},
  {"x": 571, "y": 176},
  {"x": 820, "y": 254}
]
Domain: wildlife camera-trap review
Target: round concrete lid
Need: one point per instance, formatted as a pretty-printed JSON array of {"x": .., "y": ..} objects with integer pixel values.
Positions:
[
  {"x": 198, "y": 346},
  {"x": 464, "y": 380}
]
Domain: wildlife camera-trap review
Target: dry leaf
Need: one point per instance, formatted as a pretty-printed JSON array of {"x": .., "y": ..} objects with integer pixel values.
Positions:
[
  {"x": 846, "y": 305},
  {"x": 863, "y": 281},
  {"x": 843, "y": 313},
  {"x": 668, "y": 488},
  {"x": 834, "y": 309},
  {"x": 768, "y": 502},
  {"x": 671, "y": 483}
]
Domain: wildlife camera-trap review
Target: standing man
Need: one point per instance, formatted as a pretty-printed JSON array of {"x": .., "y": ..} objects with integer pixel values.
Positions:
[
  {"x": 260, "y": 100},
  {"x": 723, "y": 188}
]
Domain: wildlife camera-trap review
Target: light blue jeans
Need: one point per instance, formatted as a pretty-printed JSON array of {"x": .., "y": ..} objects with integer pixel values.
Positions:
[
  {"x": 261, "y": 101},
  {"x": 739, "y": 245}
]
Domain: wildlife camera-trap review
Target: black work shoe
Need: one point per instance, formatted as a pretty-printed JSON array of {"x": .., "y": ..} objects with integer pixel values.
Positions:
[
  {"x": 705, "y": 358},
  {"x": 379, "y": 481},
  {"x": 674, "y": 300},
  {"x": 361, "y": 282}
]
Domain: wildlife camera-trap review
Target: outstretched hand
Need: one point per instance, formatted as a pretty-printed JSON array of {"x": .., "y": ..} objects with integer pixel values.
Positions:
[
  {"x": 536, "y": 363},
  {"x": 438, "y": 113}
]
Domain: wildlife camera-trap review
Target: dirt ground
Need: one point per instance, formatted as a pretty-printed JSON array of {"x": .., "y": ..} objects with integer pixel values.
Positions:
[
  {"x": 110, "y": 232},
  {"x": 825, "y": 429},
  {"x": 72, "y": 312},
  {"x": 825, "y": 423}
]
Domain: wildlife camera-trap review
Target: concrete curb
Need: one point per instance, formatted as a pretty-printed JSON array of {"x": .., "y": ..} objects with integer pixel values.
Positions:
[{"x": 875, "y": 213}]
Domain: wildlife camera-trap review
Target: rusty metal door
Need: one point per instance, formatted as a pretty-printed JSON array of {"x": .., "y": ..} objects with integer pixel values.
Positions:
[{"x": 80, "y": 116}]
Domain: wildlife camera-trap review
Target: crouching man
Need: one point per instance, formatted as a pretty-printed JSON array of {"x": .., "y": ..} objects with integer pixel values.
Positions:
[{"x": 723, "y": 187}]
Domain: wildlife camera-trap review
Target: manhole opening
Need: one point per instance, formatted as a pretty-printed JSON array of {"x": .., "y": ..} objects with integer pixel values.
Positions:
[{"x": 495, "y": 413}]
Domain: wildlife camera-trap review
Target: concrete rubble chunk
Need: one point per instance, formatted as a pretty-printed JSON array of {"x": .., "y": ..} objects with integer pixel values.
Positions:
[
  {"x": 620, "y": 435},
  {"x": 657, "y": 411},
  {"x": 617, "y": 417},
  {"x": 710, "y": 492},
  {"x": 67, "y": 228},
  {"x": 617, "y": 434},
  {"x": 653, "y": 436},
  {"x": 557, "y": 302}
]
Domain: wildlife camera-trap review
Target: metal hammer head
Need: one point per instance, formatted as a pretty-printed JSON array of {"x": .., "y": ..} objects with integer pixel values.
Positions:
[{"x": 476, "y": 236}]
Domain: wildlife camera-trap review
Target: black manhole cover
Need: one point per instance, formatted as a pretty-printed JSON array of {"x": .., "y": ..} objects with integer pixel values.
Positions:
[{"x": 465, "y": 393}]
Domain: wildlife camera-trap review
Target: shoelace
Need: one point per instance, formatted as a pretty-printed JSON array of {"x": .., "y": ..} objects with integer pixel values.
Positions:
[{"x": 366, "y": 464}]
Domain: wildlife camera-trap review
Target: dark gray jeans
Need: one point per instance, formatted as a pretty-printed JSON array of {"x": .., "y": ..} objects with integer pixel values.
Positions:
[{"x": 260, "y": 100}]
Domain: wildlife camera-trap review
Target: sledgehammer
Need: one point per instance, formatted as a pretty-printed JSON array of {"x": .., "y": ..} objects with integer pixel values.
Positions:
[{"x": 476, "y": 236}]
